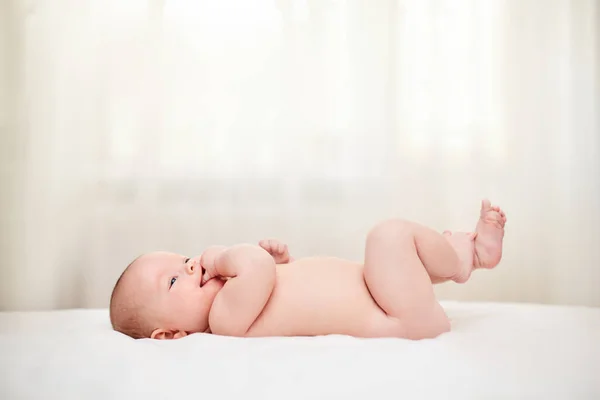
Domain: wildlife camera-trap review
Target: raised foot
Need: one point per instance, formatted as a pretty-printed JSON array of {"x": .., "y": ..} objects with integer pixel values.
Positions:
[{"x": 490, "y": 233}]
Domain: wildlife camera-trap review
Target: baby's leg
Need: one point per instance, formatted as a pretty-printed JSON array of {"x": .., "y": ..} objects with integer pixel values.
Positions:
[
  {"x": 403, "y": 259},
  {"x": 400, "y": 257}
]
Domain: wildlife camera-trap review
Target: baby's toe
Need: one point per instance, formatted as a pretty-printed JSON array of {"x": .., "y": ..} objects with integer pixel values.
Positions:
[
  {"x": 485, "y": 204},
  {"x": 501, "y": 219}
]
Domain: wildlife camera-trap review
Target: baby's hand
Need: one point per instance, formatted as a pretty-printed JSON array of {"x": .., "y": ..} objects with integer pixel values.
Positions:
[
  {"x": 277, "y": 250},
  {"x": 208, "y": 261}
]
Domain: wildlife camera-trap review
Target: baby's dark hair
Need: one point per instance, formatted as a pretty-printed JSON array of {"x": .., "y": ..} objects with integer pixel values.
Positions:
[{"x": 124, "y": 310}]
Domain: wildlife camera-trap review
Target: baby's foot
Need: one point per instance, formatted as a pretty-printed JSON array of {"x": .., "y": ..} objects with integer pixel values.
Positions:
[
  {"x": 490, "y": 232},
  {"x": 464, "y": 246}
]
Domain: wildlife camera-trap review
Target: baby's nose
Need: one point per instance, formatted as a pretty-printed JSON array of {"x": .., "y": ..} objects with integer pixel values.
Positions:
[{"x": 192, "y": 266}]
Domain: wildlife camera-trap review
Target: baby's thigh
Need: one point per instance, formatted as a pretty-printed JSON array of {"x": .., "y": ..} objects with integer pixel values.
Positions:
[
  {"x": 421, "y": 320},
  {"x": 393, "y": 271},
  {"x": 430, "y": 323},
  {"x": 399, "y": 282}
]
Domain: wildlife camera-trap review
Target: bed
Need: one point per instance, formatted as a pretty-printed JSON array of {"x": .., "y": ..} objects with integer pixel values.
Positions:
[{"x": 495, "y": 351}]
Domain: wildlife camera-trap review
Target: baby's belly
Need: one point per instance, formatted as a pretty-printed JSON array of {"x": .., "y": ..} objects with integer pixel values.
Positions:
[{"x": 320, "y": 296}]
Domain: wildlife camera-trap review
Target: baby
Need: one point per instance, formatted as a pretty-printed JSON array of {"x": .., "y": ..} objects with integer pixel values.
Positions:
[{"x": 249, "y": 291}]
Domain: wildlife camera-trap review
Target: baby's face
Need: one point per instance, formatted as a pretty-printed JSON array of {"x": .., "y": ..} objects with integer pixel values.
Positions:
[{"x": 169, "y": 287}]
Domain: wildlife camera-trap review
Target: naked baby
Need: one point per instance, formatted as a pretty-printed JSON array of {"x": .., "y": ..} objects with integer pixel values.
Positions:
[{"x": 248, "y": 291}]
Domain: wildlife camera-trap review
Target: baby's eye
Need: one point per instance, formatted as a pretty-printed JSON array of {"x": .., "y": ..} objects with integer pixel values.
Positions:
[{"x": 172, "y": 282}]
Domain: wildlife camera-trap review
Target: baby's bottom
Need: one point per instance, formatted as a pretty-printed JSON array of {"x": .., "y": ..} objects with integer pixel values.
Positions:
[{"x": 401, "y": 260}]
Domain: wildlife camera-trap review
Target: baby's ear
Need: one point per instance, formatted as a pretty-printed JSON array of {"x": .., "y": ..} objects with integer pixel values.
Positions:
[{"x": 162, "y": 334}]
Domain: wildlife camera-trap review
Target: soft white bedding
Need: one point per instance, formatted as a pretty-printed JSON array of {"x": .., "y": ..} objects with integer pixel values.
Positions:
[{"x": 495, "y": 351}]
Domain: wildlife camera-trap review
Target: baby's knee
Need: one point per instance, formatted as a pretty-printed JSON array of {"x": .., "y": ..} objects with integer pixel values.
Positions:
[{"x": 392, "y": 229}]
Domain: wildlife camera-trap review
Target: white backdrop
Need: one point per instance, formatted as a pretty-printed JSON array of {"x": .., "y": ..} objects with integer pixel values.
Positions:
[{"x": 130, "y": 126}]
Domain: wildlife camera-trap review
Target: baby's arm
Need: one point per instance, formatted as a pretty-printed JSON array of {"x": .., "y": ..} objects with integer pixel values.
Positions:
[{"x": 251, "y": 270}]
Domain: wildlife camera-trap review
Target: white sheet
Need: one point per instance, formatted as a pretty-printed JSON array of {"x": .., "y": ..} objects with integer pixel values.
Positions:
[{"x": 495, "y": 351}]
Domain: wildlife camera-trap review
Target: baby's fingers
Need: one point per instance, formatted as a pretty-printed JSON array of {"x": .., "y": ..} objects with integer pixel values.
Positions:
[
  {"x": 281, "y": 248},
  {"x": 206, "y": 277},
  {"x": 265, "y": 244},
  {"x": 272, "y": 246}
]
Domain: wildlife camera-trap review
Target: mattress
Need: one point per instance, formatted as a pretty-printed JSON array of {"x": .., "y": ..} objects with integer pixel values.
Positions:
[{"x": 495, "y": 351}]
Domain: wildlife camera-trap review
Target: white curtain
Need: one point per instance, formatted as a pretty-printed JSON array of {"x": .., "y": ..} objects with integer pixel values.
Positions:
[{"x": 131, "y": 126}]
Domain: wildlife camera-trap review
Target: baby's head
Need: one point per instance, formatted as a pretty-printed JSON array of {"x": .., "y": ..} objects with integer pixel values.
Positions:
[{"x": 159, "y": 296}]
